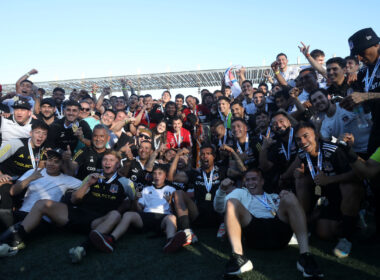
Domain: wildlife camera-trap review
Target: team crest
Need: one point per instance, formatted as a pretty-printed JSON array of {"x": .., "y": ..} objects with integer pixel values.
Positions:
[{"x": 114, "y": 188}]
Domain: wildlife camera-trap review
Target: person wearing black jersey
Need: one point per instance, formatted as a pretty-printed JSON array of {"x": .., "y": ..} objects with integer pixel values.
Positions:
[
  {"x": 88, "y": 159},
  {"x": 17, "y": 157},
  {"x": 324, "y": 171},
  {"x": 47, "y": 111},
  {"x": 68, "y": 130},
  {"x": 91, "y": 206},
  {"x": 279, "y": 152},
  {"x": 238, "y": 111}
]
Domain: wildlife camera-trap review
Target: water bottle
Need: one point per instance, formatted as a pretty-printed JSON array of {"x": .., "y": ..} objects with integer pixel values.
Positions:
[{"x": 362, "y": 121}]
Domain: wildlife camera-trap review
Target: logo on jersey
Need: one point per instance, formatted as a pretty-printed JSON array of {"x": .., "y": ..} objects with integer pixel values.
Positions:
[
  {"x": 21, "y": 156},
  {"x": 91, "y": 159},
  {"x": 114, "y": 188}
]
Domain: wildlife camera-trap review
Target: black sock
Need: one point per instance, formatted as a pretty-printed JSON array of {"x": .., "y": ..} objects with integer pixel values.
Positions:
[
  {"x": 348, "y": 226},
  {"x": 21, "y": 231},
  {"x": 183, "y": 222}
]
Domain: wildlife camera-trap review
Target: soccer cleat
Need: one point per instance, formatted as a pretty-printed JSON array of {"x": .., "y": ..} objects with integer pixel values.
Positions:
[
  {"x": 77, "y": 254},
  {"x": 175, "y": 243},
  {"x": 7, "y": 251},
  {"x": 101, "y": 241},
  {"x": 221, "y": 231},
  {"x": 307, "y": 265},
  {"x": 343, "y": 248},
  {"x": 238, "y": 264},
  {"x": 191, "y": 238}
]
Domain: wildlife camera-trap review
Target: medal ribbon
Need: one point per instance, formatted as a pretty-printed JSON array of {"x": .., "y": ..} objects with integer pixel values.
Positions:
[
  {"x": 310, "y": 164},
  {"x": 290, "y": 140},
  {"x": 208, "y": 182},
  {"x": 369, "y": 83}
]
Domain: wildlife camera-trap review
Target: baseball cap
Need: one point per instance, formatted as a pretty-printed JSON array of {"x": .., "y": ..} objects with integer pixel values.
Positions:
[
  {"x": 362, "y": 40},
  {"x": 50, "y": 101},
  {"x": 21, "y": 103}
]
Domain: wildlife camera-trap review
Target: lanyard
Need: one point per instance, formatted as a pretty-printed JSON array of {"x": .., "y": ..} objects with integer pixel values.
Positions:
[
  {"x": 369, "y": 83},
  {"x": 224, "y": 138},
  {"x": 157, "y": 144},
  {"x": 138, "y": 160},
  {"x": 70, "y": 125},
  {"x": 110, "y": 179},
  {"x": 34, "y": 159},
  {"x": 245, "y": 146},
  {"x": 225, "y": 119},
  {"x": 60, "y": 114},
  {"x": 179, "y": 139},
  {"x": 147, "y": 117},
  {"x": 287, "y": 154},
  {"x": 310, "y": 164},
  {"x": 208, "y": 182},
  {"x": 195, "y": 112},
  {"x": 265, "y": 202}
]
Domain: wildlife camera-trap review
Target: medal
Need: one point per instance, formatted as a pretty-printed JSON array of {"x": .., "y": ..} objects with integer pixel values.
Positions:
[
  {"x": 74, "y": 128},
  {"x": 318, "y": 190},
  {"x": 208, "y": 197},
  {"x": 273, "y": 213},
  {"x": 266, "y": 202}
]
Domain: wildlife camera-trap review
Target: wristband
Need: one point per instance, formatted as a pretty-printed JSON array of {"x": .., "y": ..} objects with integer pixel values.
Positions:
[{"x": 277, "y": 72}]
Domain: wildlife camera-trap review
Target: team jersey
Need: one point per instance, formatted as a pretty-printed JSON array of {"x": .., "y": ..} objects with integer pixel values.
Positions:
[
  {"x": 202, "y": 112},
  {"x": 60, "y": 135},
  {"x": 182, "y": 140},
  {"x": 106, "y": 195},
  {"x": 197, "y": 184},
  {"x": 89, "y": 161},
  {"x": 249, "y": 148},
  {"x": 15, "y": 158},
  {"x": 139, "y": 176},
  {"x": 153, "y": 199}
]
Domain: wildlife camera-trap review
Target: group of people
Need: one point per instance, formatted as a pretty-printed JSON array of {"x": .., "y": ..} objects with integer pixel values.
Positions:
[{"x": 293, "y": 157}]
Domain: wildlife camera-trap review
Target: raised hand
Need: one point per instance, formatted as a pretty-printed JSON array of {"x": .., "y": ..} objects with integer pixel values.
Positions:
[
  {"x": 304, "y": 49},
  {"x": 66, "y": 156},
  {"x": 295, "y": 92},
  {"x": 226, "y": 184},
  {"x": 35, "y": 175},
  {"x": 275, "y": 66},
  {"x": 267, "y": 141},
  {"x": 33, "y": 72},
  {"x": 321, "y": 178},
  {"x": 299, "y": 171},
  {"x": 227, "y": 148}
]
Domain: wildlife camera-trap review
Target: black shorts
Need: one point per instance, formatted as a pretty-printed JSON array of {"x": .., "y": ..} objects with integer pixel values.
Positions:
[
  {"x": 80, "y": 219},
  {"x": 267, "y": 233},
  {"x": 152, "y": 221},
  {"x": 207, "y": 218},
  {"x": 331, "y": 211}
]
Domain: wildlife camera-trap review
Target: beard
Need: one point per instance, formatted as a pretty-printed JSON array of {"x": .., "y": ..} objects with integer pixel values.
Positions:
[{"x": 282, "y": 132}]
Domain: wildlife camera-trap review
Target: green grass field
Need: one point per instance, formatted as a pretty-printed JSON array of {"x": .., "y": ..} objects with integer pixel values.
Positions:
[{"x": 141, "y": 257}]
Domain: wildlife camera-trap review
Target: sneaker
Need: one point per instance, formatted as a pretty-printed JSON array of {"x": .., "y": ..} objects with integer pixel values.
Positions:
[
  {"x": 221, "y": 231},
  {"x": 7, "y": 251},
  {"x": 191, "y": 238},
  {"x": 101, "y": 241},
  {"x": 238, "y": 264},
  {"x": 343, "y": 248},
  {"x": 174, "y": 244},
  {"x": 77, "y": 254},
  {"x": 307, "y": 265}
]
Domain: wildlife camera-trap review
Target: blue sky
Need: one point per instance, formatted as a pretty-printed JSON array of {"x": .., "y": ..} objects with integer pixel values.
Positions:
[{"x": 77, "y": 39}]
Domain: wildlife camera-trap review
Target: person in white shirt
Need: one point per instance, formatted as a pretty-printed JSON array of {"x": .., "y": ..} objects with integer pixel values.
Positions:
[
  {"x": 153, "y": 205},
  {"x": 266, "y": 220}
]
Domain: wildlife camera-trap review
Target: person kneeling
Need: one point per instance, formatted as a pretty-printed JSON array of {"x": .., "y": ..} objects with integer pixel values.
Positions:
[
  {"x": 153, "y": 214},
  {"x": 267, "y": 221}
]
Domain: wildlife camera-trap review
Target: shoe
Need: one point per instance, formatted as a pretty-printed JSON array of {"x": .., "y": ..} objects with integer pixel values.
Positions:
[
  {"x": 191, "y": 238},
  {"x": 101, "y": 241},
  {"x": 238, "y": 264},
  {"x": 12, "y": 236},
  {"x": 221, "y": 231},
  {"x": 174, "y": 244},
  {"x": 343, "y": 248},
  {"x": 307, "y": 265},
  {"x": 77, "y": 254},
  {"x": 7, "y": 251}
]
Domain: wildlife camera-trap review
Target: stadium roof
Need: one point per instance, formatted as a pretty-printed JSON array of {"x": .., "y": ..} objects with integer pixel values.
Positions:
[{"x": 156, "y": 81}]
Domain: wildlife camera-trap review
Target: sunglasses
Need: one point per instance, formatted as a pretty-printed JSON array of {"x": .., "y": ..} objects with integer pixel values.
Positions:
[
  {"x": 85, "y": 109},
  {"x": 146, "y": 137}
]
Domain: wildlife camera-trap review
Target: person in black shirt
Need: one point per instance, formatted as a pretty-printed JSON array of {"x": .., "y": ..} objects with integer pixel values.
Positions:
[
  {"x": 336, "y": 74},
  {"x": 88, "y": 159},
  {"x": 324, "y": 171},
  {"x": 238, "y": 111},
  {"x": 68, "y": 130},
  {"x": 47, "y": 111}
]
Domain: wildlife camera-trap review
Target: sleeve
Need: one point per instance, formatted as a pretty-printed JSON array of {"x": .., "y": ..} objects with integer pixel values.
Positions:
[
  {"x": 74, "y": 183},
  {"x": 340, "y": 162},
  {"x": 219, "y": 201},
  {"x": 87, "y": 132},
  {"x": 376, "y": 155},
  {"x": 7, "y": 149},
  {"x": 79, "y": 157}
]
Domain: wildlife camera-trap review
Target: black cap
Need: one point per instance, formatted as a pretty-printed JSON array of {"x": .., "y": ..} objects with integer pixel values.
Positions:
[
  {"x": 57, "y": 152},
  {"x": 21, "y": 103},
  {"x": 50, "y": 101},
  {"x": 362, "y": 40}
]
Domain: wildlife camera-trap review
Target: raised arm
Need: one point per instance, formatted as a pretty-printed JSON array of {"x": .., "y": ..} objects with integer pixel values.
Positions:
[
  {"x": 305, "y": 51},
  {"x": 78, "y": 195},
  {"x": 19, "y": 186},
  {"x": 276, "y": 70},
  {"x": 24, "y": 77}
]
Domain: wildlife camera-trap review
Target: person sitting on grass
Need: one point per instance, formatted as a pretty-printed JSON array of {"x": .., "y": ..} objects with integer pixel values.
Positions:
[
  {"x": 153, "y": 214},
  {"x": 267, "y": 221},
  {"x": 91, "y": 206}
]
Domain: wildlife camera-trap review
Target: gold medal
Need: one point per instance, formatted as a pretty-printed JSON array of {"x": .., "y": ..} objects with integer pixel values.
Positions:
[
  {"x": 273, "y": 213},
  {"x": 74, "y": 128},
  {"x": 318, "y": 190},
  {"x": 208, "y": 196},
  {"x": 92, "y": 113}
]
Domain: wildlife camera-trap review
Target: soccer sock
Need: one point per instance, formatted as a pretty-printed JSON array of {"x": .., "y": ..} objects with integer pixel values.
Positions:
[
  {"x": 183, "y": 222},
  {"x": 348, "y": 226}
]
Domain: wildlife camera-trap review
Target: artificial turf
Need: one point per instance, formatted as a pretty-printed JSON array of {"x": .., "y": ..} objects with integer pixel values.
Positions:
[{"x": 140, "y": 257}]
